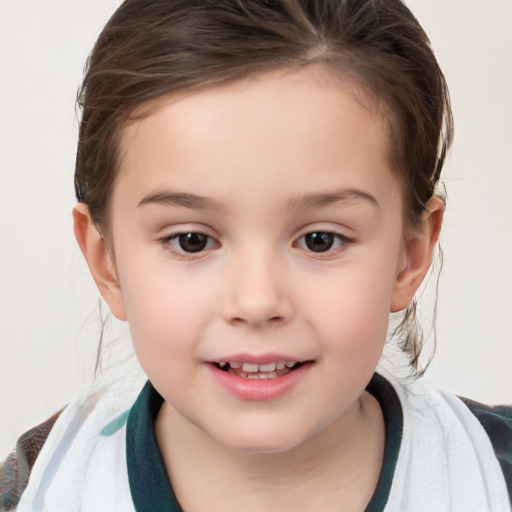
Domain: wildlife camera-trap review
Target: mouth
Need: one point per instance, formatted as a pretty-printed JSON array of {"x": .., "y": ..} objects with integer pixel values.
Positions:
[
  {"x": 260, "y": 378},
  {"x": 248, "y": 370}
]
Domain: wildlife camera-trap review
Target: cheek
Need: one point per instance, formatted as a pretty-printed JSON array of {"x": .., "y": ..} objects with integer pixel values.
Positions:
[
  {"x": 353, "y": 331},
  {"x": 352, "y": 309},
  {"x": 166, "y": 312}
]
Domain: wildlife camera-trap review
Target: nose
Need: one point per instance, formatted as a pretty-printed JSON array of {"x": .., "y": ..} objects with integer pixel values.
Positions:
[{"x": 257, "y": 294}]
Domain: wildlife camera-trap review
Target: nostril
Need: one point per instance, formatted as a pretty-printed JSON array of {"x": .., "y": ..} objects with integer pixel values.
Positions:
[{"x": 256, "y": 308}]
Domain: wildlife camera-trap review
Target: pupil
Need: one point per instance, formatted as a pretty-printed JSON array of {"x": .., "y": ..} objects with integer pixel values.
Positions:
[
  {"x": 193, "y": 242},
  {"x": 319, "y": 242}
]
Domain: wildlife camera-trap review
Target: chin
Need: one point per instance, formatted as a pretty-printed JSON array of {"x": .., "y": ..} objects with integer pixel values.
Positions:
[
  {"x": 261, "y": 447},
  {"x": 262, "y": 441}
]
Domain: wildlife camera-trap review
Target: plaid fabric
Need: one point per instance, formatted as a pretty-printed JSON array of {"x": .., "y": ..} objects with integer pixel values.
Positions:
[
  {"x": 497, "y": 422},
  {"x": 15, "y": 470}
]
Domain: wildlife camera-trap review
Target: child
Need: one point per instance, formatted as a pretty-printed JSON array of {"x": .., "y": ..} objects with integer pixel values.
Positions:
[{"x": 256, "y": 193}]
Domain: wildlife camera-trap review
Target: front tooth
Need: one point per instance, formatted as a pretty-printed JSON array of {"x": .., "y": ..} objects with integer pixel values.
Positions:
[
  {"x": 270, "y": 367},
  {"x": 281, "y": 365},
  {"x": 249, "y": 367},
  {"x": 268, "y": 375},
  {"x": 234, "y": 364}
]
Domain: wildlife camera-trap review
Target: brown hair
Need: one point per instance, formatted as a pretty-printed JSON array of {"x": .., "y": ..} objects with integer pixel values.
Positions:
[{"x": 149, "y": 49}]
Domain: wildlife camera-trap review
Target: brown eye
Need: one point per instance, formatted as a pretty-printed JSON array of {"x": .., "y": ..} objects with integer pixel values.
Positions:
[
  {"x": 191, "y": 242},
  {"x": 319, "y": 241}
]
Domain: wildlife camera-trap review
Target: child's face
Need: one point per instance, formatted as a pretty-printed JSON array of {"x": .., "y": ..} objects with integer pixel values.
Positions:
[{"x": 295, "y": 253}]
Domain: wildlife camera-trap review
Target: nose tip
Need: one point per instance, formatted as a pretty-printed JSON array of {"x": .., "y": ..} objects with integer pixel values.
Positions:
[
  {"x": 257, "y": 316},
  {"x": 257, "y": 301}
]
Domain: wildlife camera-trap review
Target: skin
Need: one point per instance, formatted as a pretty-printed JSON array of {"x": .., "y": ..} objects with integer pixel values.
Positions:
[{"x": 266, "y": 156}]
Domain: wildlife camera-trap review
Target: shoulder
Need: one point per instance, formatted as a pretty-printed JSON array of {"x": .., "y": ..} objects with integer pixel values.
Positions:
[
  {"x": 15, "y": 470},
  {"x": 71, "y": 435},
  {"x": 465, "y": 448},
  {"x": 497, "y": 423}
]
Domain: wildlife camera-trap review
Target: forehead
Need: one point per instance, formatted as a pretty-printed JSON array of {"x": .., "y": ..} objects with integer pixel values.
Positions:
[{"x": 305, "y": 129}]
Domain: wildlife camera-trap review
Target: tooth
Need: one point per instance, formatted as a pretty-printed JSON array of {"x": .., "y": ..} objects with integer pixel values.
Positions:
[
  {"x": 254, "y": 376},
  {"x": 270, "y": 367},
  {"x": 268, "y": 375},
  {"x": 234, "y": 364},
  {"x": 250, "y": 367},
  {"x": 222, "y": 364},
  {"x": 291, "y": 364},
  {"x": 280, "y": 365}
]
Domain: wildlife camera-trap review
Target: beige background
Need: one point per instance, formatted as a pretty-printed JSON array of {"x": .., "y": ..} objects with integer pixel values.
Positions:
[{"x": 48, "y": 304}]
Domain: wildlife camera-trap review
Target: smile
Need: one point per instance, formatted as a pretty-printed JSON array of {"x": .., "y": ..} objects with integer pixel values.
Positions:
[
  {"x": 260, "y": 378},
  {"x": 248, "y": 370}
]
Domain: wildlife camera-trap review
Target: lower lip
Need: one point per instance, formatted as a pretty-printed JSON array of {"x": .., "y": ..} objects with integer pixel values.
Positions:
[{"x": 259, "y": 389}]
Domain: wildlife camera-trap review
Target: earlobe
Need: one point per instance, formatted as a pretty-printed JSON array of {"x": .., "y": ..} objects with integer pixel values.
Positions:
[
  {"x": 418, "y": 254},
  {"x": 99, "y": 259}
]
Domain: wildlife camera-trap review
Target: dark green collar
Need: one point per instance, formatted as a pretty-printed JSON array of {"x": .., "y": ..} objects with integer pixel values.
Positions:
[
  {"x": 389, "y": 402},
  {"x": 149, "y": 483}
]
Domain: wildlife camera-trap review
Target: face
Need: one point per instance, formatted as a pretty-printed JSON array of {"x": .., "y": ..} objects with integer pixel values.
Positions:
[{"x": 258, "y": 242}]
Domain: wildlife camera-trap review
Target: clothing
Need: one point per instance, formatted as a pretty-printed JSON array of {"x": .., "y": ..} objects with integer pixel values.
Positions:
[{"x": 441, "y": 454}]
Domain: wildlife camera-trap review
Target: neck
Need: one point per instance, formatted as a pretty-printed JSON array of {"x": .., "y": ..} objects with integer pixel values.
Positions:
[{"x": 342, "y": 462}]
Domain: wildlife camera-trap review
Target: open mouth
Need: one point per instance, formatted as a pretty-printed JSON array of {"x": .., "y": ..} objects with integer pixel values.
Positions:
[{"x": 259, "y": 371}]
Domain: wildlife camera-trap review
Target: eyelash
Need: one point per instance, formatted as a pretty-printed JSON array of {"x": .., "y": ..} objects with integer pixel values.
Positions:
[
  {"x": 175, "y": 242},
  {"x": 339, "y": 241}
]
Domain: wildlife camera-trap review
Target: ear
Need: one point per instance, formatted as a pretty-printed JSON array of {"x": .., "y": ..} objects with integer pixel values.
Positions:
[
  {"x": 418, "y": 254},
  {"x": 99, "y": 259}
]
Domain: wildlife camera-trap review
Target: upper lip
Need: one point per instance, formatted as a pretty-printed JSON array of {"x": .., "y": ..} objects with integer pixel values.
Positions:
[{"x": 259, "y": 358}]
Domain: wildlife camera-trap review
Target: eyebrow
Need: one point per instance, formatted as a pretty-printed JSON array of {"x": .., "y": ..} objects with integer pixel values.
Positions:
[
  {"x": 194, "y": 201},
  {"x": 326, "y": 199},
  {"x": 182, "y": 199}
]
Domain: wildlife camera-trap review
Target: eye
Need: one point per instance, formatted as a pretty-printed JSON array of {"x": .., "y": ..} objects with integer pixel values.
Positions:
[
  {"x": 322, "y": 241},
  {"x": 190, "y": 242}
]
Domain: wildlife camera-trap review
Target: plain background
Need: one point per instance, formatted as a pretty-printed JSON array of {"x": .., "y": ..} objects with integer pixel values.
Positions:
[{"x": 49, "y": 312}]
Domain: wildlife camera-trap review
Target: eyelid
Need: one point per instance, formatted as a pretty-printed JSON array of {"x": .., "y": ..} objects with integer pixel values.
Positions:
[
  {"x": 167, "y": 242},
  {"x": 342, "y": 238},
  {"x": 170, "y": 230},
  {"x": 344, "y": 243}
]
